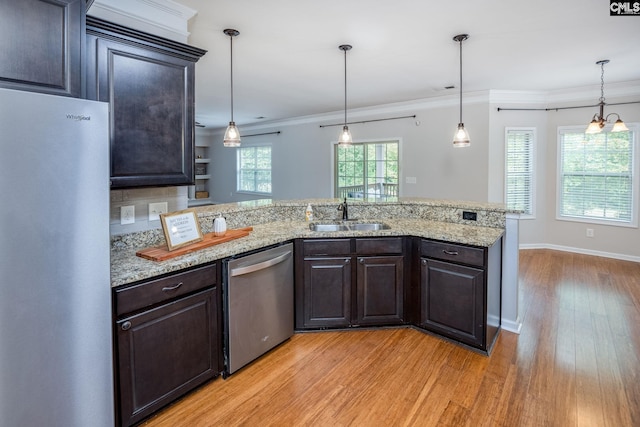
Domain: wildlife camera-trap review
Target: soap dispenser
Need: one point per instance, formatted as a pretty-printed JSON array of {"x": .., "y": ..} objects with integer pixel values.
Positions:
[{"x": 309, "y": 213}]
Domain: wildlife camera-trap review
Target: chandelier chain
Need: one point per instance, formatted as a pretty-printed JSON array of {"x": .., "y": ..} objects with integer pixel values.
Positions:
[{"x": 602, "y": 82}]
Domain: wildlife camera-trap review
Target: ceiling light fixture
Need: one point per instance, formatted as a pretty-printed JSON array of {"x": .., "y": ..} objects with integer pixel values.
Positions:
[
  {"x": 345, "y": 135},
  {"x": 231, "y": 135},
  {"x": 461, "y": 137},
  {"x": 599, "y": 120}
]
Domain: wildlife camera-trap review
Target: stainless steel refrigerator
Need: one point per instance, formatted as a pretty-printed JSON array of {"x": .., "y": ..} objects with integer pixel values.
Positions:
[{"x": 55, "y": 301}]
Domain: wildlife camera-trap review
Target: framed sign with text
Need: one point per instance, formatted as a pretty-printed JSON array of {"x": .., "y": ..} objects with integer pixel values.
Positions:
[{"x": 181, "y": 228}]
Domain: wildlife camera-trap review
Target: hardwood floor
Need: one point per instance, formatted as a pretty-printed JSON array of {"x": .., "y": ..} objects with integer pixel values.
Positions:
[{"x": 575, "y": 363}]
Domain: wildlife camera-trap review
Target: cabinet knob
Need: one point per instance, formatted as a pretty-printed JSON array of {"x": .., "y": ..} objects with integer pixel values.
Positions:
[
  {"x": 361, "y": 260},
  {"x": 424, "y": 262},
  {"x": 347, "y": 260},
  {"x": 126, "y": 326}
]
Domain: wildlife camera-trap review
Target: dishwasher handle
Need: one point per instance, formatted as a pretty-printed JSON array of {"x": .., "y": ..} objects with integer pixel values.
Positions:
[{"x": 260, "y": 266}]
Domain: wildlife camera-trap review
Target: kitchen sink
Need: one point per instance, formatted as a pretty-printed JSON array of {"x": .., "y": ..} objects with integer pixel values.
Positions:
[{"x": 349, "y": 226}]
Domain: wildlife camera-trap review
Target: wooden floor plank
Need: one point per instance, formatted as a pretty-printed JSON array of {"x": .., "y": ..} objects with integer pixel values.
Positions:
[{"x": 575, "y": 363}]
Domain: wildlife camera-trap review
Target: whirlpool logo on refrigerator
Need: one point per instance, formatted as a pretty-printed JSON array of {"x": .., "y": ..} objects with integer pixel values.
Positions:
[{"x": 78, "y": 117}]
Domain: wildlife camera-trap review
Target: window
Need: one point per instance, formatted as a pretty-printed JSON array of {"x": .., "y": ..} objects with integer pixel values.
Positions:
[
  {"x": 367, "y": 170},
  {"x": 519, "y": 179},
  {"x": 597, "y": 181},
  {"x": 254, "y": 169}
]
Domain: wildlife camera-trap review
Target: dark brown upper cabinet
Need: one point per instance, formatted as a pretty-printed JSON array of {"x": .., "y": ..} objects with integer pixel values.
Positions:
[
  {"x": 41, "y": 45},
  {"x": 149, "y": 84}
]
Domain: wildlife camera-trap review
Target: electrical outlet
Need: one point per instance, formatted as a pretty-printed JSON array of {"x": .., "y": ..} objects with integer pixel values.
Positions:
[
  {"x": 127, "y": 215},
  {"x": 155, "y": 209},
  {"x": 590, "y": 232},
  {"x": 470, "y": 216}
]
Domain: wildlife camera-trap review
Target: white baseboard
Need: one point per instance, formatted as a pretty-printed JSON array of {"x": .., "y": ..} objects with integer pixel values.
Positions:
[
  {"x": 579, "y": 251},
  {"x": 511, "y": 326}
]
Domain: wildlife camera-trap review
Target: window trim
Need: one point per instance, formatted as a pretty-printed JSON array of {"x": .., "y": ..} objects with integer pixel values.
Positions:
[
  {"x": 532, "y": 165},
  {"x": 262, "y": 193},
  {"x": 635, "y": 181}
]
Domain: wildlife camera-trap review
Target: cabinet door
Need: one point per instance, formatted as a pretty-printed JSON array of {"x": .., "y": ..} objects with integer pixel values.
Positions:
[
  {"x": 151, "y": 105},
  {"x": 380, "y": 290},
  {"x": 41, "y": 45},
  {"x": 327, "y": 292},
  {"x": 453, "y": 301},
  {"x": 165, "y": 352}
]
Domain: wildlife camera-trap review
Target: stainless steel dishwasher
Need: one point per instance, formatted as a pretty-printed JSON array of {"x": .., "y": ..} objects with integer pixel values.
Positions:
[{"x": 258, "y": 299}]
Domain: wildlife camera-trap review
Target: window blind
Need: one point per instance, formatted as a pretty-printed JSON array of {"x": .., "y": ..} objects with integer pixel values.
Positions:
[
  {"x": 519, "y": 169},
  {"x": 596, "y": 176}
]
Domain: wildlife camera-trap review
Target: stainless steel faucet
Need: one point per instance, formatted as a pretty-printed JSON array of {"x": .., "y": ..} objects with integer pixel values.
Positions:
[{"x": 343, "y": 207}]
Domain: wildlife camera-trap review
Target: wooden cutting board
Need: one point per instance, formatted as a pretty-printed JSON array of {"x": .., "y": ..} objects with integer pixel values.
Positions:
[{"x": 162, "y": 253}]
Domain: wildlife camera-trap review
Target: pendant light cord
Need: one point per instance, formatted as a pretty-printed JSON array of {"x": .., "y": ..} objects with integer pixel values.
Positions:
[
  {"x": 231, "y": 40},
  {"x": 345, "y": 87},
  {"x": 460, "y": 41}
]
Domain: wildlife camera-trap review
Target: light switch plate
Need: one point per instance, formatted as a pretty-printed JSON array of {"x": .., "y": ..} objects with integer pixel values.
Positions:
[{"x": 155, "y": 209}]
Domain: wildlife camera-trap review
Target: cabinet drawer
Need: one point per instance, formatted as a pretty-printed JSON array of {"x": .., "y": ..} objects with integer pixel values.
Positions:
[
  {"x": 327, "y": 247},
  {"x": 452, "y": 252},
  {"x": 373, "y": 246},
  {"x": 156, "y": 291}
]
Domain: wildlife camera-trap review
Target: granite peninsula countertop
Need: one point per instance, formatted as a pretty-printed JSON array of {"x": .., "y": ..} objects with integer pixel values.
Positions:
[{"x": 126, "y": 267}]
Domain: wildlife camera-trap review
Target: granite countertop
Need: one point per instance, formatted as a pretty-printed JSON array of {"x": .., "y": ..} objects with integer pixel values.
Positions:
[{"x": 126, "y": 267}]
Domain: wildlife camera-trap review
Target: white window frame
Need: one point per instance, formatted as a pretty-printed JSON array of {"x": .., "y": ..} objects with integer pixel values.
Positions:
[
  {"x": 635, "y": 183},
  {"x": 531, "y": 168},
  {"x": 238, "y": 170},
  {"x": 333, "y": 159}
]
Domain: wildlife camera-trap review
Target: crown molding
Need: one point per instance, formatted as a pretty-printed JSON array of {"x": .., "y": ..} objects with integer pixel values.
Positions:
[{"x": 164, "y": 18}]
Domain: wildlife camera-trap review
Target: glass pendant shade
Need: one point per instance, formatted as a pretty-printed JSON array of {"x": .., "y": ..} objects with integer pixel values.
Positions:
[
  {"x": 594, "y": 127},
  {"x": 345, "y": 136},
  {"x": 461, "y": 137},
  {"x": 231, "y": 136},
  {"x": 619, "y": 126}
]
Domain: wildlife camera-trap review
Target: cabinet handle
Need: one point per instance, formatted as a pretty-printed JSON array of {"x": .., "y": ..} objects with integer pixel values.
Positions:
[
  {"x": 126, "y": 326},
  {"x": 450, "y": 252},
  {"x": 361, "y": 260},
  {"x": 424, "y": 262},
  {"x": 347, "y": 260},
  {"x": 171, "y": 288}
]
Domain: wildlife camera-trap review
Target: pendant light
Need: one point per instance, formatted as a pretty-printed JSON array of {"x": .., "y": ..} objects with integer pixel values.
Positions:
[
  {"x": 461, "y": 137},
  {"x": 231, "y": 135},
  {"x": 599, "y": 120},
  {"x": 345, "y": 135}
]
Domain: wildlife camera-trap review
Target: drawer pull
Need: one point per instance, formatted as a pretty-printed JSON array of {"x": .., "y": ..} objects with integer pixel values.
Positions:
[
  {"x": 171, "y": 288},
  {"x": 126, "y": 326},
  {"x": 450, "y": 252}
]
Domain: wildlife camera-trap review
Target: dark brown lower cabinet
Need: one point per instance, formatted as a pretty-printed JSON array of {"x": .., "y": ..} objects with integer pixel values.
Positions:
[
  {"x": 460, "y": 290},
  {"x": 167, "y": 350},
  {"x": 453, "y": 300},
  {"x": 349, "y": 282},
  {"x": 380, "y": 282},
  {"x": 327, "y": 292}
]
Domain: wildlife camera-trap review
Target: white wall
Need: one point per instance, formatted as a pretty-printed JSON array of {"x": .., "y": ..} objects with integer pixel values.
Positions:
[
  {"x": 302, "y": 160},
  {"x": 302, "y": 154}
]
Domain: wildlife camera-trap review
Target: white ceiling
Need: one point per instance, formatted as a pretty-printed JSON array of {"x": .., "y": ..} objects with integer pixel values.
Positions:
[{"x": 287, "y": 62}]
